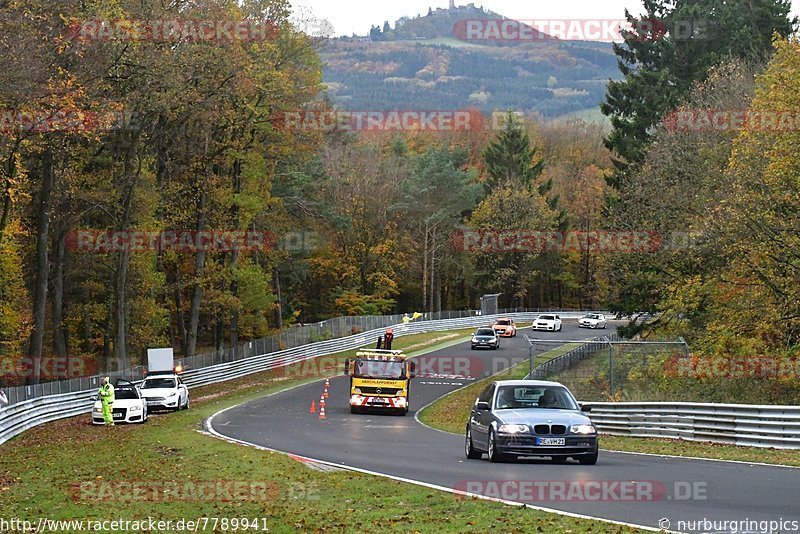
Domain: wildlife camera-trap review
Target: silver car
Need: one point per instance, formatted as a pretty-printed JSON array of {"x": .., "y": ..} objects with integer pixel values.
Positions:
[
  {"x": 593, "y": 320},
  {"x": 513, "y": 418}
]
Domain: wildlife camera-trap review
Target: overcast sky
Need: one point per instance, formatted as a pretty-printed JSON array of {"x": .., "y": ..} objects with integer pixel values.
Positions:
[{"x": 357, "y": 16}]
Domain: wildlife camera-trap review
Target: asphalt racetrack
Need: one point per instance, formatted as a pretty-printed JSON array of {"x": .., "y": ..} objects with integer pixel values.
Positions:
[{"x": 637, "y": 489}]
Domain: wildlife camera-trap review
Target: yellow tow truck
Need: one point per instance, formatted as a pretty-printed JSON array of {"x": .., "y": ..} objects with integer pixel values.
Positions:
[{"x": 379, "y": 379}]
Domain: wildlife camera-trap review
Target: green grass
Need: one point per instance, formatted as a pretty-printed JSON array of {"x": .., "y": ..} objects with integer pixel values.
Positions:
[
  {"x": 450, "y": 413},
  {"x": 42, "y": 473},
  {"x": 699, "y": 449}
]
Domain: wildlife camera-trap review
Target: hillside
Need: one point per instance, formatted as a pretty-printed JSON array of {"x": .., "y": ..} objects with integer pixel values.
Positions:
[{"x": 419, "y": 64}]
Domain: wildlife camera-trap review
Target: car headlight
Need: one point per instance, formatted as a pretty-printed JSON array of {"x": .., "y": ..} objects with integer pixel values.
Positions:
[
  {"x": 97, "y": 410},
  {"x": 173, "y": 394},
  {"x": 136, "y": 409},
  {"x": 582, "y": 429},
  {"x": 513, "y": 429},
  {"x": 357, "y": 391}
]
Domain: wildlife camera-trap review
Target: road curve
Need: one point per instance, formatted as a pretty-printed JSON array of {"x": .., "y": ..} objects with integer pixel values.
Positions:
[{"x": 637, "y": 489}]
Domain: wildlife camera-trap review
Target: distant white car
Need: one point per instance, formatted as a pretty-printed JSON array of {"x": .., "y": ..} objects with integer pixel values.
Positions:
[
  {"x": 165, "y": 391},
  {"x": 593, "y": 320},
  {"x": 548, "y": 322},
  {"x": 129, "y": 405}
]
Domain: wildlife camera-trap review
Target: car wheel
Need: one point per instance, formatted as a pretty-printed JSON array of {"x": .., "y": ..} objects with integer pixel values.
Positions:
[
  {"x": 588, "y": 460},
  {"x": 186, "y": 406},
  {"x": 355, "y": 409},
  {"x": 604, "y": 327},
  {"x": 494, "y": 456},
  {"x": 471, "y": 452}
]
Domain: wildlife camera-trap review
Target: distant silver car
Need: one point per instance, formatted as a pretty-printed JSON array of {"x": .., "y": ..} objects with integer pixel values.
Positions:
[
  {"x": 513, "y": 418},
  {"x": 593, "y": 320}
]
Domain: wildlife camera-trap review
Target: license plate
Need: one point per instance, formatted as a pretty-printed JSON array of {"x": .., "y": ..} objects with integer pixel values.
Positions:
[
  {"x": 380, "y": 400},
  {"x": 550, "y": 441},
  {"x": 117, "y": 416}
]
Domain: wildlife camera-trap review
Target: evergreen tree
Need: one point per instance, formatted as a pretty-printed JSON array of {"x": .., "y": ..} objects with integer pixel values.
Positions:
[
  {"x": 510, "y": 158},
  {"x": 669, "y": 49}
]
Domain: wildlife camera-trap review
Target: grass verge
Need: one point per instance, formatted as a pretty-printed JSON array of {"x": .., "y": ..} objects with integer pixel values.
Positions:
[
  {"x": 450, "y": 413},
  {"x": 70, "y": 470}
]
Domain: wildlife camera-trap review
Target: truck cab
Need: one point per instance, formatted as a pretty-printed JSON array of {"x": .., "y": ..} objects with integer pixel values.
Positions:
[{"x": 379, "y": 379}]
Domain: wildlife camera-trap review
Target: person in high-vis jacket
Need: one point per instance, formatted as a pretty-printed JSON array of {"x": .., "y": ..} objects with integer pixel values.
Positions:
[{"x": 106, "y": 394}]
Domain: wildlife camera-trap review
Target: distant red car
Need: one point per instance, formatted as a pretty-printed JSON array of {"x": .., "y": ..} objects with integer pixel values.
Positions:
[{"x": 505, "y": 327}]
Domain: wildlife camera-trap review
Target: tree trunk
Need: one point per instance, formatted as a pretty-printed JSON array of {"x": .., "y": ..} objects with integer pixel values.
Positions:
[
  {"x": 182, "y": 336},
  {"x": 431, "y": 306},
  {"x": 425, "y": 271},
  {"x": 59, "y": 339},
  {"x": 42, "y": 265},
  {"x": 197, "y": 291},
  {"x": 237, "y": 189},
  {"x": 276, "y": 280},
  {"x": 11, "y": 173},
  {"x": 128, "y": 185}
]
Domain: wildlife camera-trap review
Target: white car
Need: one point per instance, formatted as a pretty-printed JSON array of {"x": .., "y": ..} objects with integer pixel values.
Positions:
[
  {"x": 129, "y": 405},
  {"x": 593, "y": 320},
  {"x": 548, "y": 322},
  {"x": 165, "y": 391}
]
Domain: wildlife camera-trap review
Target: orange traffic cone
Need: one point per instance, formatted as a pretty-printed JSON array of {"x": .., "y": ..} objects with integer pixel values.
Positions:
[
  {"x": 313, "y": 408},
  {"x": 322, "y": 401},
  {"x": 327, "y": 383},
  {"x": 325, "y": 393},
  {"x": 322, "y": 413}
]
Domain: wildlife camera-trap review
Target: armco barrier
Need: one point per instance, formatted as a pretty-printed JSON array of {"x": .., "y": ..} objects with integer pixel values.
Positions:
[
  {"x": 19, "y": 417},
  {"x": 735, "y": 424}
]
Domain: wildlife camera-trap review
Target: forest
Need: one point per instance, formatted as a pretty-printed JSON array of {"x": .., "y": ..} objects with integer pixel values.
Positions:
[{"x": 118, "y": 154}]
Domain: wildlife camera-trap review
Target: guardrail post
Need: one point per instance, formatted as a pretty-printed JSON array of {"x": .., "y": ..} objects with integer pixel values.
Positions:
[{"x": 611, "y": 366}]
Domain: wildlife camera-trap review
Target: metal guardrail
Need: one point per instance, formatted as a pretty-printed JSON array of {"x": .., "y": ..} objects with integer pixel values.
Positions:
[
  {"x": 734, "y": 424},
  {"x": 19, "y": 417}
]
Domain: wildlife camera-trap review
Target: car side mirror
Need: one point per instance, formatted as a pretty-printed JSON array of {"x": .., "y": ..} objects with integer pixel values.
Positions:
[
  {"x": 347, "y": 366},
  {"x": 412, "y": 369},
  {"x": 585, "y": 408},
  {"x": 482, "y": 406}
]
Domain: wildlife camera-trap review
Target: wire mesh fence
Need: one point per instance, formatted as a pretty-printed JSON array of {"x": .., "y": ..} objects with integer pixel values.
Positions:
[{"x": 623, "y": 370}]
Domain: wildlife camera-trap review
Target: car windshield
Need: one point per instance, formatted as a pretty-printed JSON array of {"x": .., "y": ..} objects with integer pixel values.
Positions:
[
  {"x": 379, "y": 369},
  {"x": 125, "y": 394},
  {"x": 592, "y": 317},
  {"x": 547, "y": 318},
  {"x": 503, "y": 322},
  {"x": 484, "y": 332},
  {"x": 159, "y": 383},
  {"x": 519, "y": 397}
]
